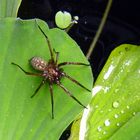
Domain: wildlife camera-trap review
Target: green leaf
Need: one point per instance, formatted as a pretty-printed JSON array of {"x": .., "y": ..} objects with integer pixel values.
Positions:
[
  {"x": 75, "y": 129},
  {"x": 63, "y": 19},
  {"x": 9, "y": 8},
  {"x": 130, "y": 131},
  {"x": 116, "y": 96},
  {"x": 22, "y": 117}
]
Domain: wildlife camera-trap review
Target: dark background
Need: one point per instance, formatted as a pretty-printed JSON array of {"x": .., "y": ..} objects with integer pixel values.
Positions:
[{"x": 122, "y": 26}]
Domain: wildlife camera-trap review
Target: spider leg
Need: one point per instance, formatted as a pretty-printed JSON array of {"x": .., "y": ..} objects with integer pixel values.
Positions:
[
  {"x": 49, "y": 45},
  {"x": 28, "y": 73},
  {"x": 70, "y": 94},
  {"x": 72, "y": 63},
  {"x": 40, "y": 85},
  {"x": 75, "y": 81},
  {"x": 57, "y": 56},
  {"x": 52, "y": 102}
]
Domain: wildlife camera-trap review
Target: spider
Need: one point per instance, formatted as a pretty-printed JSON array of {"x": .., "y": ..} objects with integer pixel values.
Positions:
[{"x": 52, "y": 73}]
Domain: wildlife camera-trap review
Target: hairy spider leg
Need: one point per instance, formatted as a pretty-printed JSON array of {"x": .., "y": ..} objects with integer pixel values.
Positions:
[
  {"x": 75, "y": 81},
  {"x": 52, "y": 101},
  {"x": 40, "y": 85},
  {"x": 72, "y": 63},
  {"x": 57, "y": 56},
  {"x": 49, "y": 45},
  {"x": 27, "y": 73},
  {"x": 70, "y": 94}
]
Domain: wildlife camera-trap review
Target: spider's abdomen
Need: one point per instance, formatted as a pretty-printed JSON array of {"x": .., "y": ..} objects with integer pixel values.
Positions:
[{"x": 38, "y": 63}]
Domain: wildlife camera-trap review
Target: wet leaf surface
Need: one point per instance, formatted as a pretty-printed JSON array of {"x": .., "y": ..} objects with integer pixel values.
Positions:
[{"x": 116, "y": 98}]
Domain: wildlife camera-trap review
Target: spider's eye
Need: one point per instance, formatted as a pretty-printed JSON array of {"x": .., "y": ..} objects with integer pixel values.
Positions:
[{"x": 38, "y": 63}]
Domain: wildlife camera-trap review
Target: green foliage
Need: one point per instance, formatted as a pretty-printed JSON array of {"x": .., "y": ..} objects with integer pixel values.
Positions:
[
  {"x": 9, "y": 8},
  {"x": 129, "y": 131},
  {"x": 22, "y": 117},
  {"x": 114, "y": 110},
  {"x": 63, "y": 19}
]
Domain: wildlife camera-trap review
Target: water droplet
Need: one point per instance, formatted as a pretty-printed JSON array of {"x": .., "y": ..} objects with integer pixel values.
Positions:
[
  {"x": 134, "y": 113},
  {"x": 116, "y": 116},
  {"x": 99, "y": 128},
  {"x": 109, "y": 110},
  {"x": 106, "y": 89},
  {"x": 115, "y": 104},
  {"x": 127, "y": 107},
  {"x": 104, "y": 132},
  {"x": 101, "y": 111},
  {"x": 118, "y": 124},
  {"x": 107, "y": 122},
  {"x": 96, "y": 106},
  {"x": 116, "y": 90},
  {"x": 127, "y": 63},
  {"x": 122, "y": 111},
  {"x": 120, "y": 52},
  {"x": 137, "y": 97}
]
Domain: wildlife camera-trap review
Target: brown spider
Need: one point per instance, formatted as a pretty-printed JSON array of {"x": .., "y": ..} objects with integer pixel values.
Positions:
[{"x": 52, "y": 72}]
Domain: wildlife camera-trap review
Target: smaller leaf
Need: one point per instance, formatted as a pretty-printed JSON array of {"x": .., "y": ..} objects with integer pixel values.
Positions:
[
  {"x": 75, "y": 129},
  {"x": 63, "y": 19}
]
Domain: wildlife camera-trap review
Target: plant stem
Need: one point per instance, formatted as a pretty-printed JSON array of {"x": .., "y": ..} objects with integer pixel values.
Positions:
[
  {"x": 67, "y": 29},
  {"x": 103, "y": 20}
]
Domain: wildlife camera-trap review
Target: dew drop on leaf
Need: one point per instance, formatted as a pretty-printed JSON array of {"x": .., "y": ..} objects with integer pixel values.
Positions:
[
  {"x": 134, "y": 113},
  {"x": 99, "y": 128},
  {"x": 107, "y": 122},
  {"x": 96, "y": 106},
  {"x": 116, "y": 90},
  {"x": 104, "y": 132},
  {"x": 127, "y": 107},
  {"x": 116, "y": 116},
  {"x": 118, "y": 124},
  {"x": 115, "y": 104},
  {"x": 122, "y": 111},
  {"x": 106, "y": 89},
  {"x": 101, "y": 111}
]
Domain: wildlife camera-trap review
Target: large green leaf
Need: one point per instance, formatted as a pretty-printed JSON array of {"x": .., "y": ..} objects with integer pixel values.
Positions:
[
  {"x": 9, "y": 8},
  {"x": 116, "y": 97},
  {"x": 22, "y": 117}
]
